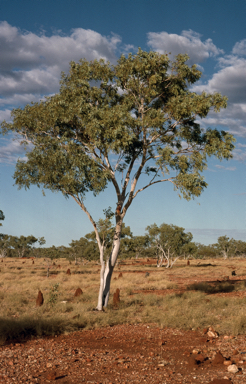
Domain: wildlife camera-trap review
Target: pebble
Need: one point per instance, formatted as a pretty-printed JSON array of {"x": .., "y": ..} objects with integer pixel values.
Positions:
[{"x": 232, "y": 368}]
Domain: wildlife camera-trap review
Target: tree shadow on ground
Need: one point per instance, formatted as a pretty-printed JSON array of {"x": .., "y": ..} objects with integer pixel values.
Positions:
[
  {"x": 203, "y": 265},
  {"x": 212, "y": 287},
  {"x": 21, "y": 330}
]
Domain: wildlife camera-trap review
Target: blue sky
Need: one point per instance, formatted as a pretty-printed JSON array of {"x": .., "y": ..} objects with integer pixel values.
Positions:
[{"x": 38, "y": 39}]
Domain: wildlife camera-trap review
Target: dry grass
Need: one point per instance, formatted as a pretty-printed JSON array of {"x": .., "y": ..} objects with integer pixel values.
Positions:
[{"x": 62, "y": 312}]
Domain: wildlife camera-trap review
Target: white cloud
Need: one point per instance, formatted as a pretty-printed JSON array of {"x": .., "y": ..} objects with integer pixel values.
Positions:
[
  {"x": 32, "y": 64},
  {"x": 239, "y": 154},
  {"x": 225, "y": 168},
  {"x": 17, "y": 99},
  {"x": 229, "y": 81},
  {"x": 239, "y": 48},
  {"x": 5, "y": 115},
  {"x": 188, "y": 42},
  {"x": 11, "y": 151}
]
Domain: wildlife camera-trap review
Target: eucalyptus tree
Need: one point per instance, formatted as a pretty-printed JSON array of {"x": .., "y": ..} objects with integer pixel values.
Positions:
[
  {"x": 170, "y": 241},
  {"x": 226, "y": 246},
  {"x": 112, "y": 124},
  {"x": 4, "y": 245},
  {"x": 2, "y": 217},
  {"x": 23, "y": 244}
]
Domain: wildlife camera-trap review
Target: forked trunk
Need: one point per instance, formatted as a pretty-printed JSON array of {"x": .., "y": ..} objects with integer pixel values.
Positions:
[{"x": 106, "y": 272}]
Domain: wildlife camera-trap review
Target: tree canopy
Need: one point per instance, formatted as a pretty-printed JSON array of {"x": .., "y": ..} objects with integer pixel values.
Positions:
[
  {"x": 2, "y": 217},
  {"x": 140, "y": 112},
  {"x": 169, "y": 240},
  {"x": 115, "y": 123}
]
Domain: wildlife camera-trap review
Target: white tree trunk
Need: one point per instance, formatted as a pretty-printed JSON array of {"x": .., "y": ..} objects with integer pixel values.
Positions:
[
  {"x": 100, "y": 295},
  {"x": 106, "y": 272},
  {"x": 159, "y": 261}
]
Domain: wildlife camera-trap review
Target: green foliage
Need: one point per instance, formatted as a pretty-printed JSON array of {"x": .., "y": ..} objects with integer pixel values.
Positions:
[
  {"x": 22, "y": 245},
  {"x": 229, "y": 247},
  {"x": 169, "y": 237},
  {"x": 107, "y": 121},
  {"x": 206, "y": 251},
  {"x": 134, "y": 246},
  {"x": 53, "y": 294},
  {"x": 86, "y": 246},
  {"x": 2, "y": 217}
]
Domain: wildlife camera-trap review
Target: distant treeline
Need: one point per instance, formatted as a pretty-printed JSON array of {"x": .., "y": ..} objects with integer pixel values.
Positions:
[{"x": 165, "y": 243}]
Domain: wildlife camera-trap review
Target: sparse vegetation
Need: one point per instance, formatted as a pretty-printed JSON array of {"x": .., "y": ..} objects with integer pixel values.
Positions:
[{"x": 158, "y": 298}]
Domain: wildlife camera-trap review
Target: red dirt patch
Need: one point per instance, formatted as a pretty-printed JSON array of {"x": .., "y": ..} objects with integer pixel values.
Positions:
[{"x": 122, "y": 354}]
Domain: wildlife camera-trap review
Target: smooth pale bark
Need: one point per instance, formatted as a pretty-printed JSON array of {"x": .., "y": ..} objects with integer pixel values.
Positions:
[
  {"x": 159, "y": 261},
  {"x": 101, "y": 288},
  {"x": 106, "y": 272}
]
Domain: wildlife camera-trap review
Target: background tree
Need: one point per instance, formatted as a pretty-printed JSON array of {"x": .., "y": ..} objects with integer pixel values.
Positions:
[
  {"x": 134, "y": 246},
  {"x": 169, "y": 241},
  {"x": 22, "y": 245},
  {"x": 226, "y": 246},
  {"x": 112, "y": 124},
  {"x": 4, "y": 245},
  {"x": 206, "y": 251},
  {"x": 2, "y": 217},
  {"x": 240, "y": 248},
  {"x": 189, "y": 249}
]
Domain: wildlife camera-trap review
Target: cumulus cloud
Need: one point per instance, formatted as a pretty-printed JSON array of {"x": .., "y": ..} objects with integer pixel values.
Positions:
[
  {"x": 188, "y": 42},
  {"x": 26, "y": 50},
  {"x": 32, "y": 63},
  {"x": 240, "y": 48},
  {"x": 229, "y": 81},
  {"x": 231, "y": 119}
]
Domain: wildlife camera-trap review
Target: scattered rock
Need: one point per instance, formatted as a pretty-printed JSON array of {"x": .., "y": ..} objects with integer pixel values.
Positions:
[
  {"x": 78, "y": 292},
  {"x": 40, "y": 299},
  {"x": 227, "y": 362},
  {"x": 147, "y": 274},
  {"x": 232, "y": 368},
  {"x": 116, "y": 298},
  {"x": 218, "y": 358},
  {"x": 199, "y": 358},
  {"x": 212, "y": 333},
  {"x": 195, "y": 351},
  {"x": 68, "y": 272},
  {"x": 120, "y": 275}
]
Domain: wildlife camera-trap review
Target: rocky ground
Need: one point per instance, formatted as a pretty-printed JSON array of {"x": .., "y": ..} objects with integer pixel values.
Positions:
[{"x": 127, "y": 354}]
